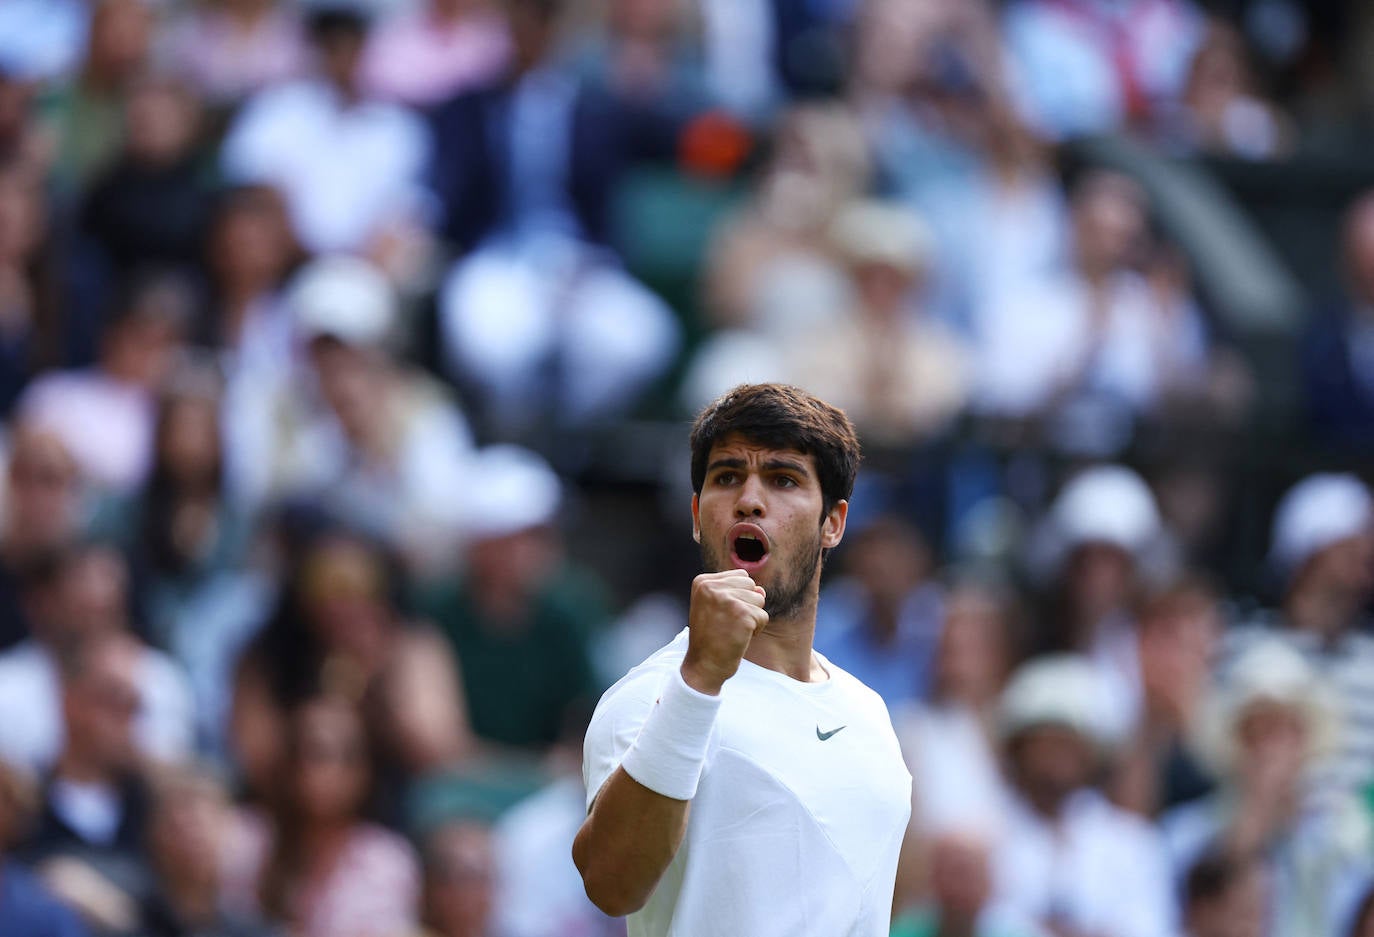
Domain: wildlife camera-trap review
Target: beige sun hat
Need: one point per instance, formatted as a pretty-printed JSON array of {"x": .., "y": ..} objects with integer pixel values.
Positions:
[
  {"x": 871, "y": 231},
  {"x": 1270, "y": 672}
]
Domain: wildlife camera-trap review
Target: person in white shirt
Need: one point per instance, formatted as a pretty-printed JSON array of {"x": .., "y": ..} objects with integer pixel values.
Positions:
[
  {"x": 737, "y": 781},
  {"x": 1067, "y": 860}
]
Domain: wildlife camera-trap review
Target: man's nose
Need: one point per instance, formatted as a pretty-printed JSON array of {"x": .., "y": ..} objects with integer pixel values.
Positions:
[{"x": 750, "y": 501}]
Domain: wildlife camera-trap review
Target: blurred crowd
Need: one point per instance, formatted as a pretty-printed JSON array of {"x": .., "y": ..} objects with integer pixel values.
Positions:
[{"x": 329, "y": 330}]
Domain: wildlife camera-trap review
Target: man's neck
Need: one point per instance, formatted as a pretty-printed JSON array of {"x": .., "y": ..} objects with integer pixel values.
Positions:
[{"x": 785, "y": 645}]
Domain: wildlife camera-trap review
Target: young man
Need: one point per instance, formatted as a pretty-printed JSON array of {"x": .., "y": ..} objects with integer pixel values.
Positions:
[{"x": 738, "y": 782}]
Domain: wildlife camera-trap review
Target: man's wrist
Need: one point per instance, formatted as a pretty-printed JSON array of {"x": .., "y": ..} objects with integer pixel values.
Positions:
[
  {"x": 669, "y": 753},
  {"x": 696, "y": 680}
]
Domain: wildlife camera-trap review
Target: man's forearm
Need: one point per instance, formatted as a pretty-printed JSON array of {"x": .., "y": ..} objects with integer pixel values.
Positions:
[{"x": 626, "y": 843}]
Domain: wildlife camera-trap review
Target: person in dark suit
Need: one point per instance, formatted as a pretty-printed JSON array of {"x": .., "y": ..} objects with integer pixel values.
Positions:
[
  {"x": 539, "y": 150},
  {"x": 1338, "y": 347}
]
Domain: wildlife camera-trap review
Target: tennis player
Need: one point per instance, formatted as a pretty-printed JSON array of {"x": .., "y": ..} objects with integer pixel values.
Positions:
[{"x": 738, "y": 783}]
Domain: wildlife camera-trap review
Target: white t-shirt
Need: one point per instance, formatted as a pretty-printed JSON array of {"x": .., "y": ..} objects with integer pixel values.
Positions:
[{"x": 799, "y": 816}]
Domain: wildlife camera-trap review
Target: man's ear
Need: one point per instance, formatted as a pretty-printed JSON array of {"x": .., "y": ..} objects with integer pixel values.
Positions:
[
  {"x": 696, "y": 518},
  {"x": 832, "y": 526}
]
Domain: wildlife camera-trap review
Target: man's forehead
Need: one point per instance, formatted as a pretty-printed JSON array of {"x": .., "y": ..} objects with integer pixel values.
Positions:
[{"x": 736, "y": 446}]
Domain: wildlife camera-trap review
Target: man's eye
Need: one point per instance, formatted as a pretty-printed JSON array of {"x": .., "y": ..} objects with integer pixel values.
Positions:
[
  {"x": 784, "y": 481},
  {"x": 725, "y": 478}
]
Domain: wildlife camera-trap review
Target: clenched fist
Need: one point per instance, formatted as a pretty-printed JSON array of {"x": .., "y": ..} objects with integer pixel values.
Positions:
[{"x": 725, "y": 612}]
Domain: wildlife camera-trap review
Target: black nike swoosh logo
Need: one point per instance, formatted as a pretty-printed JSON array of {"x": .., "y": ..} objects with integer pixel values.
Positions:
[{"x": 825, "y": 735}]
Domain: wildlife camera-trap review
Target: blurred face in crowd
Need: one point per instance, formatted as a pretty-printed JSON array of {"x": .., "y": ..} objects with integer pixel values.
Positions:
[
  {"x": 338, "y": 45},
  {"x": 93, "y": 594},
  {"x": 1344, "y": 569},
  {"x": 1048, "y": 763},
  {"x": 1109, "y": 223},
  {"x": 1177, "y": 641},
  {"x": 101, "y": 700},
  {"x": 329, "y": 767},
  {"x": 532, "y": 27},
  {"x": 889, "y": 558},
  {"x": 1359, "y": 251},
  {"x": 187, "y": 828},
  {"x": 351, "y": 380},
  {"x": 141, "y": 347},
  {"x": 819, "y": 162},
  {"x": 959, "y": 876},
  {"x": 121, "y": 31},
  {"x": 972, "y": 660},
  {"x": 644, "y": 20},
  {"x": 884, "y": 290},
  {"x": 1272, "y": 739},
  {"x": 251, "y": 245},
  {"x": 1100, "y": 579},
  {"x": 188, "y": 443},
  {"x": 23, "y": 215},
  {"x": 161, "y": 122},
  {"x": 343, "y": 592},
  {"x": 42, "y": 492},
  {"x": 513, "y": 566},
  {"x": 460, "y": 887}
]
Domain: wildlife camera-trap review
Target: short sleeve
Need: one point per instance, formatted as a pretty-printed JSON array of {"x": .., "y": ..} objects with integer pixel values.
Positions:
[{"x": 615, "y": 725}]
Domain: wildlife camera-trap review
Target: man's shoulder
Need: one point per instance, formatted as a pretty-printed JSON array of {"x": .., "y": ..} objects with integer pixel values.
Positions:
[{"x": 649, "y": 673}]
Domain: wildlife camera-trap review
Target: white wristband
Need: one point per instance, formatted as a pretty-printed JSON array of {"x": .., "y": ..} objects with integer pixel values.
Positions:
[{"x": 668, "y": 755}]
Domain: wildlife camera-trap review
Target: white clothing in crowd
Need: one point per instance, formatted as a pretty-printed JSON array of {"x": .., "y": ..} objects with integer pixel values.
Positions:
[{"x": 32, "y": 734}]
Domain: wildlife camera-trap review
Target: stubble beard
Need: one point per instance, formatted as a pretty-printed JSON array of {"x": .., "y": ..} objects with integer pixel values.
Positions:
[{"x": 786, "y": 596}]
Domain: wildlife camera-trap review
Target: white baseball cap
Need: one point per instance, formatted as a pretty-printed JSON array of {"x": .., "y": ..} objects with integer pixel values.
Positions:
[
  {"x": 345, "y": 298},
  {"x": 512, "y": 489},
  {"x": 1317, "y": 512},
  {"x": 1106, "y": 504},
  {"x": 1059, "y": 690}
]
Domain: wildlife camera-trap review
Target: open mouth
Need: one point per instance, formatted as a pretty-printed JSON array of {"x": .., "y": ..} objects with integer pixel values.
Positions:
[{"x": 748, "y": 547}]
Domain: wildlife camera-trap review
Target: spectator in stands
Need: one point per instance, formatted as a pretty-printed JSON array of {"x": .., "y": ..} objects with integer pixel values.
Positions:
[
  {"x": 642, "y": 50},
  {"x": 349, "y": 166},
  {"x": 439, "y": 49},
  {"x": 1225, "y": 895},
  {"x": 20, "y": 137},
  {"x": 229, "y": 49},
  {"x": 520, "y": 619},
  {"x": 773, "y": 267},
  {"x": 313, "y": 864},
  {"x": 87, "y": 114},
  {"x": 460, "y": 880},
  {"x": 149, "y": 208},
  {"x": 1095, "y": 66},
  {"x": 552, "y": 164},
  {"x": 88, "y": 842},
  {"x": 78, "y": 596},
  {"x": 1179, "y": 631},
  {"x": 1337, "y": 365},
  {"x": 1095, "y": 344},
  {"x": 373, "y": 438},
  {"x": 32, "y": 323},
  {"x": 1222, "y": 111},
  {"x": 1067, "y": 860},
  {"x": 42, "y": 515},
  {"x": 338, "y": 629},
  {"x": 949, "y": 738},
  {"x": 105, "y": 414},
  {"x": 1265, "y": 727},
  {"x": 188, "y": 539},
  {"x": 1099, "y": 540},
  {"x": 189, "y": 827},
  {"x": 960, "y": 893},
  {"x": 899, "y": 374},
  {"x": 1322, "y": 549},
  {"x": 881, "y": 619},
  {"x": 30, "y": 909},
  {"x": 930, "y": 82},
  {"x": 528, "y": 197}
]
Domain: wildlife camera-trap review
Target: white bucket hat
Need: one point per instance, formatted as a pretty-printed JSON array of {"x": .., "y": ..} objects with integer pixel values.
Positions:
[
  {"x": 1268, "y": 672},
  {"x": 511, "y": 489},
  {"x": 1317, "y": 512}
]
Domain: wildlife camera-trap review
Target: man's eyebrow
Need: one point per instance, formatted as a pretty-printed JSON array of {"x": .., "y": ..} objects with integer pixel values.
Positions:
[
  {"x": 786, "y": 465},
  {"x": 725, "y": 463}
]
